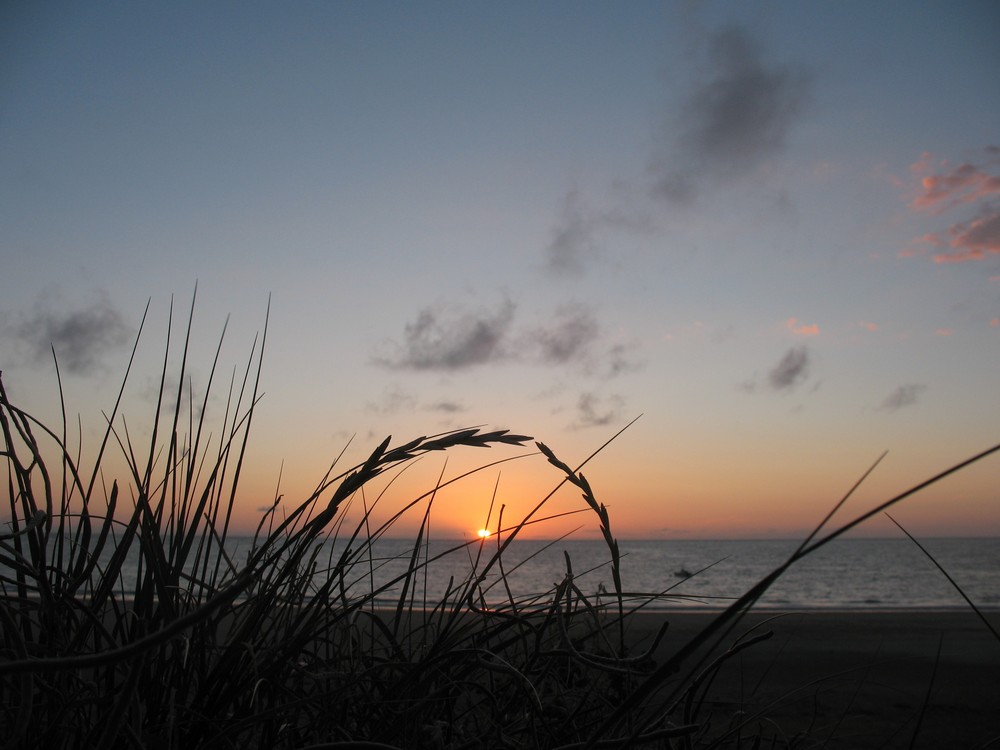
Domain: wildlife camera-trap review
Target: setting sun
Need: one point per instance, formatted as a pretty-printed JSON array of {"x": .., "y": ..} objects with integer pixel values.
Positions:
[{"x": 483, "y": 533}]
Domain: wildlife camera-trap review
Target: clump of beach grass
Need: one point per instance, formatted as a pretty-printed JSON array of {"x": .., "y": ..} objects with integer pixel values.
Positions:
[{"x": 290, "y": 643}]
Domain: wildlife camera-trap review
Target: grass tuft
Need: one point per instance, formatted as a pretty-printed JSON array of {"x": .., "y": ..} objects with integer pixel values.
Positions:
[{"x": 130, "y": 618}]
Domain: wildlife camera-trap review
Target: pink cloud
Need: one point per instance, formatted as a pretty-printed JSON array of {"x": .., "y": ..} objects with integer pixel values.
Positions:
[
  {"x": 869, "y": 326},
  {"x": 966, "y": 183},
  {"x": 995, "y": 322},
  {"x": 917, "y": 245},
  {"x": 974, "y": 240},
  {"x": 801, "y": 329},
  {"x": 944, "y": 332},
  {"x": 943, "y": 187}
]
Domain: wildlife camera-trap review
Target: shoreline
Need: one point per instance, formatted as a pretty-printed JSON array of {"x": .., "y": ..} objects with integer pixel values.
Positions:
[
  {"x": 840, "y": 679},
  {"x": 862, "y": 676},
  {"x": 990, "y": 611}
]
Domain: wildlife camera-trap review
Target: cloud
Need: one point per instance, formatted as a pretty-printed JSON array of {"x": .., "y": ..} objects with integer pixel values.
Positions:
[
  {"x": 574, "y": 336},
  {"x": 904, "y": 395},
  {"x": 568, "y": 338},
  {"x": 736, "y": 117},
  {"x": 801, "y": 329},
  {"x": 392, "y": 401},
  {"x": 81, "y": 338},
  {"x": 942, "y": 188},
  {"x": 953, "y": 186},
  {"x": 974, "y": 240},
  {"x": 572, "y": 241},
  {"x": 791, "y": 370},
  {"x": 446, "y": 407},
  {"x": 617, "y": 360},
  {"x": 456, "y": 340},
  {"x": 576, "y": 237},
  {"x": 597, "y": 411},
  {"x": 738, "y": 113},
  {"x": 453, "y": 341},
  {"x": 869, "y": 326}
]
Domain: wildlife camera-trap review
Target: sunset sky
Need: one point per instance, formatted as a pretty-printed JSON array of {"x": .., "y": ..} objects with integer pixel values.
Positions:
[{"x": 772, "y": 229}]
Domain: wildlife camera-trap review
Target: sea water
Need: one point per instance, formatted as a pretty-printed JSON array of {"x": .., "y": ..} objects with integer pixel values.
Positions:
[
  {"x": 664, "y": 574},
  {"x": 845, "y": 574}
]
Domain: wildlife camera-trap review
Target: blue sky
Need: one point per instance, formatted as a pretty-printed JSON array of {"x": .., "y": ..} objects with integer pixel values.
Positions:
[{"x": 773, "y": 229}]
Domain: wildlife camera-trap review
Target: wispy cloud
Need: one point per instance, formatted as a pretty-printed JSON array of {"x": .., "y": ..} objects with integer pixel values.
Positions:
[
  {"x": 943, "y": 187},
  {"x": 572, "y": 243},
  {"x": 791, "y": 369},
  {"x": 452, "y": 340},
  {"x": 446, "y": 407},
  {"x": 579, "y": 231},
  {"x": 738, "y": 114},
  {"x": 568, "y": 337},
  {"x": 81, "y": 338},
  {"x": 975, "y": 239},
  {"x": 617, "y": 360},
  {"x": 598, "y": 411},
  {"x": 392, "y": 401},
  {"x": 801, "y": 329},
  {"x": 574, "y": 336},
  {"x": 456, "y": 339},
  {"x": 904, "y": 395}
]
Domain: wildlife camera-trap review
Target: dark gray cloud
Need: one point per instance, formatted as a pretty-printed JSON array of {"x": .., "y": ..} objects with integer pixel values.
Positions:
[
  {"x": 81, "y": 338},
  {"x": 573, "y": 242},
  {"x": 791, "y": 370},
  {"x": 904, "y": 395},
  {"x": 569, "y": 337},
  {"x": 153, "y": 391},
  {"x": 452, "y": 341},
  {"x": 598, "y": 411},
  {"x": 578, "y": 236},
  {"x": 392, "y": 401},
  {"x": 617, "y": 360},
  {"x": 446, "y": 407},
  {"x": 738, "y": 114},
  {"x": 572, "y": 338}
]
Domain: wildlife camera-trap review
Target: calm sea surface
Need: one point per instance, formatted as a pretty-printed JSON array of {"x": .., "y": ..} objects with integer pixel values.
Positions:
[{"x": 846, "y": 574}]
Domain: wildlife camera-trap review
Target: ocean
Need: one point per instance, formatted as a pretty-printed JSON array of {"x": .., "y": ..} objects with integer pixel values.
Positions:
[
  {"x": 845, "y": 574},
  {"x": 850, "y": 574}
]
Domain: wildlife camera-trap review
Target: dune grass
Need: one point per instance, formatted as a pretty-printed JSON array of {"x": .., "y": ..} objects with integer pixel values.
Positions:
[{"x": 281, "y": 645}]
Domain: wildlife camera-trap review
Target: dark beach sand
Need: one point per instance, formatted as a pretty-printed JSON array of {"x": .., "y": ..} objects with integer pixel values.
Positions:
[{"x": 858, "y": 678}]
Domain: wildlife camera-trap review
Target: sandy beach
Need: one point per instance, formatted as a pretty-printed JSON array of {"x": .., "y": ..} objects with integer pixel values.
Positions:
[{"x": 856, "y": 679}]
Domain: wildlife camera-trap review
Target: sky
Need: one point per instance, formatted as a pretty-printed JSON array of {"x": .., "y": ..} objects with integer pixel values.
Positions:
[{"x": 769, "y": 231}]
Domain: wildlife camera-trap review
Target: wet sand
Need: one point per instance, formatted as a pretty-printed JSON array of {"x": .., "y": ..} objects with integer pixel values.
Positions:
[{"x": 855, "y": 679}]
